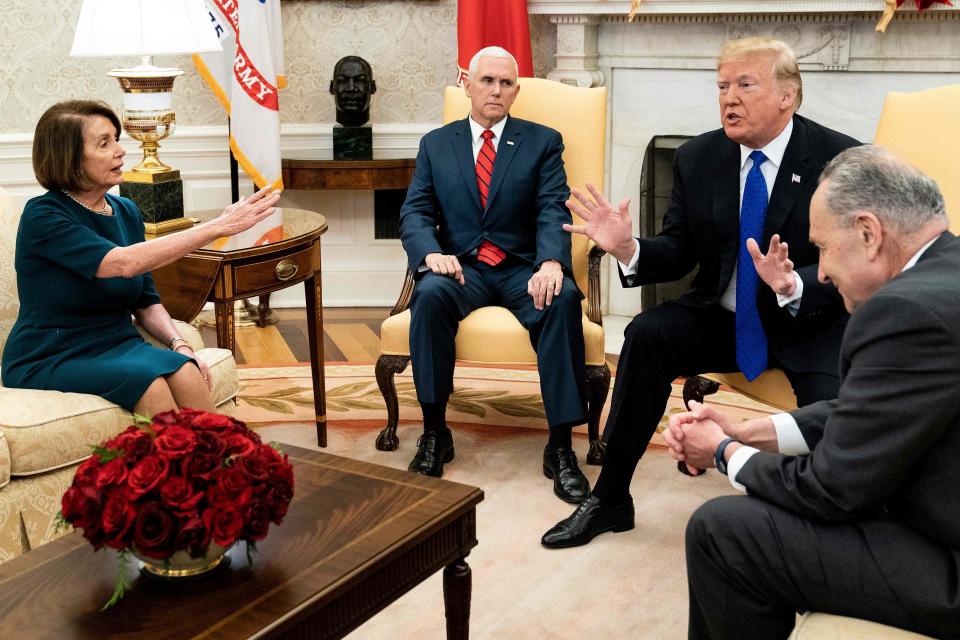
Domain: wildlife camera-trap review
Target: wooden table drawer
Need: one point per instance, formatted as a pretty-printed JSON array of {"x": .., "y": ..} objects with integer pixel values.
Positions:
[{"x": 275, "y": 272}]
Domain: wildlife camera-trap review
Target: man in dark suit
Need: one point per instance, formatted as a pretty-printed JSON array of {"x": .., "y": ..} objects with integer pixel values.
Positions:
[
  {"x": 482, "y": 225},
  {"x": 854, "y": 503},
  {"x": 749, "y": 182}
]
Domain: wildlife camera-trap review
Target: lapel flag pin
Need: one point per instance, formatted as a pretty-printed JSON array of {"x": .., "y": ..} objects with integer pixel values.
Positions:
[
  {"x": 795, "y": 178},
  {"x": 510, "y": 142}
]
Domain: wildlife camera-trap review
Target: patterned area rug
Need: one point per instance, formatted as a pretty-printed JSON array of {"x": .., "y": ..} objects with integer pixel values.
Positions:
[
  {"x": 625, "y": 585},
  {"x": 482, "y": 395}
]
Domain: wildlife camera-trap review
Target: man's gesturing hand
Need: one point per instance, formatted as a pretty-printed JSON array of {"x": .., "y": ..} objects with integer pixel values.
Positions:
[
  {"x": 444, "y": 265},
  {"x": 774, "y": 268},
  {"x": 610, "y": 228},
  {"x": 545, "y": 284}
]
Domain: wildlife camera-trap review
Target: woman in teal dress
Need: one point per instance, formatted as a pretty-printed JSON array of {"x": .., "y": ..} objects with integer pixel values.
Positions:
[{"x": 83, "y": 269}]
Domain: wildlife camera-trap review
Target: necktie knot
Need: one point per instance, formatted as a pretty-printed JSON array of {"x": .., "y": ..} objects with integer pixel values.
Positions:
[
  {"x": 488, "y": 135},
  {"x": 757, "y": 157}
]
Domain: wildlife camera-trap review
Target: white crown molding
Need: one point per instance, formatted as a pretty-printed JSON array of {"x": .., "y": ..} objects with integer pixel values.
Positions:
[{"x": 704, "y": 7}]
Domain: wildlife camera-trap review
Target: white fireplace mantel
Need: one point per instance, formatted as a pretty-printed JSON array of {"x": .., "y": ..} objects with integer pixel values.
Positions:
[
  {"x": 708, "y": 7},
  {"x": 595, "y": 37}
]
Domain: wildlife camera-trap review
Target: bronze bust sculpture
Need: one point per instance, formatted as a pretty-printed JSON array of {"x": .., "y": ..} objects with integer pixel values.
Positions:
[{"x": 352, "y": 86}]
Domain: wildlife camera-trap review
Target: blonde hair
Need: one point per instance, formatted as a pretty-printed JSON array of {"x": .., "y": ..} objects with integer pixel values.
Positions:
[{"x": 785, "y": 67}]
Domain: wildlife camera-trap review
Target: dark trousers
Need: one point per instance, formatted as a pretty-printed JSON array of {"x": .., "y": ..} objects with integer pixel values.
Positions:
[
  {"x": 439, "y": 303},
  {"x": 752, "y": 565},
  {"x": 659, "y": 345}
]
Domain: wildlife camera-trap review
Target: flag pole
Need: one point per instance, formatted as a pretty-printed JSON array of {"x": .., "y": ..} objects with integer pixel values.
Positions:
[{"x": 234, "y": 170}]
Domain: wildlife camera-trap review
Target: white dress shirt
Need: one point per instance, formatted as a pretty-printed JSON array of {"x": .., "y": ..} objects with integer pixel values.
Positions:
[
  {"x": 476, "y": 131},
  {"x": 789, "y": 438},
  {"x": 774, "y": 152}
]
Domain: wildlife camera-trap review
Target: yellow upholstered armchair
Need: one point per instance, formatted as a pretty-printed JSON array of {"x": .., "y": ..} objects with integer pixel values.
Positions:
[
  {"x": 923, "y": 128},
  {"x": 491, "y": 335},
  {"x": 44, "y": 435}
]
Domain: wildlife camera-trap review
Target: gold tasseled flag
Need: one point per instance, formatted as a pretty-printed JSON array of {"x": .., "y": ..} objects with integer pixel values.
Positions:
[
  {"x": 634, "y": 7},
  {"x": 888, "y": 9}
]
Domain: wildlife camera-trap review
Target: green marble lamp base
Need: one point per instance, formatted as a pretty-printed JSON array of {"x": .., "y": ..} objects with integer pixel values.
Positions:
[
  {"x": 159, "y": 201},
  {"x": 352, "y": 143}
]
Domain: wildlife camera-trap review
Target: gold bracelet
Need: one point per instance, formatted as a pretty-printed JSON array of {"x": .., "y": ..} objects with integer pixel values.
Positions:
[{"x": 174, "y": 341}]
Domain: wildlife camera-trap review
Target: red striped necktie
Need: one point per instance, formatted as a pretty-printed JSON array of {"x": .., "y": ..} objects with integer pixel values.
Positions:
[{"x": 487, "y": 252}]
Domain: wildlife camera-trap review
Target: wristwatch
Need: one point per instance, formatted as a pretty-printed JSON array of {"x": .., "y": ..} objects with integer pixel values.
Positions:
[{"x": 718, "y": 456}]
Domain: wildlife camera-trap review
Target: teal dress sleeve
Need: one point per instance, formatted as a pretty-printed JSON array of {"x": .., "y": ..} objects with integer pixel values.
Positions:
[{"x": 55, "y": 236}]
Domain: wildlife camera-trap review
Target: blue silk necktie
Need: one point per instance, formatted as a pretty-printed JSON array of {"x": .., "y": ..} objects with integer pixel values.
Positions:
[{"x": 751, "y": 340}]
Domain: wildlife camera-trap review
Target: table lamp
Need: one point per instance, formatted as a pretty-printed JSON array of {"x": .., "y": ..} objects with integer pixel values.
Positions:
[{"x": 145, "y": 28}]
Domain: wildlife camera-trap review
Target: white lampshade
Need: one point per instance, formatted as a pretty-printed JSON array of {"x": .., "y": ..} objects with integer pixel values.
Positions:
[{"x": 143, "y": 28}]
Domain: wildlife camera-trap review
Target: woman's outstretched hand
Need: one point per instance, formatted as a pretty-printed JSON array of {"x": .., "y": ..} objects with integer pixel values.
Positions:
[{"x": 246, "y": 212}]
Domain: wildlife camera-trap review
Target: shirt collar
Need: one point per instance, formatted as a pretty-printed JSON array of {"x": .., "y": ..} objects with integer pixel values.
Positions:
[
  {"x": 477, "y": 129},
  {"x": 774, "y": 150},
  {"x": 912, "y": 261}
]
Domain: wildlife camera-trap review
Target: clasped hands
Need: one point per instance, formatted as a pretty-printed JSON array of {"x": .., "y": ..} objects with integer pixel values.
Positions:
[
  {"x": 543, "y": 285},
  {"x": 693, "y": 436}
]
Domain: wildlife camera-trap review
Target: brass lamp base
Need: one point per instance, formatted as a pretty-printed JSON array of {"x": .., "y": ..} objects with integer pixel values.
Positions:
[{"x": 153, "y": 177}]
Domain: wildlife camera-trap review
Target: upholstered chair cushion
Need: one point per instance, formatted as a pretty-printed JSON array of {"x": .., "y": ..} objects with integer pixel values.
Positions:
[
  {"x": 490, "y": 335},
  {"x": 4, "y": 461},
  {"x": 28, "y": 511},
  {"x": 770, "y": 387},
  {"x": 46, "y": 430},
  {"x": 824, "y": 626}
]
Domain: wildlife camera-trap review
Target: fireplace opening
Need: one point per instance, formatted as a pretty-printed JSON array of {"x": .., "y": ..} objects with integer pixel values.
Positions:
[{"x": 656, "y": 182}]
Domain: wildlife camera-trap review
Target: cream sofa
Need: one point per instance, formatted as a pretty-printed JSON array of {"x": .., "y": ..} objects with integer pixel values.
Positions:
[{"x": 44, "y": 435}]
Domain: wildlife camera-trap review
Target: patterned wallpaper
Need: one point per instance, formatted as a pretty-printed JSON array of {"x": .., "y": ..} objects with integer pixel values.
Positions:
[{"x": 411, "y": 45}]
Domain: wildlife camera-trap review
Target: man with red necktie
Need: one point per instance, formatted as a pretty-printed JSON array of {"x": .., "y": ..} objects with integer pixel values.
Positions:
[{"x": 482, "y": 225}]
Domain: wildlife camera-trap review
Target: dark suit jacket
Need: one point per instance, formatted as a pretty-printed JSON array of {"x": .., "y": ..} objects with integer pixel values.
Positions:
[
  {"x": 702, "y": 227},
  {"x": 525, "y": 207},
  {"x": 886, "y": 450}
]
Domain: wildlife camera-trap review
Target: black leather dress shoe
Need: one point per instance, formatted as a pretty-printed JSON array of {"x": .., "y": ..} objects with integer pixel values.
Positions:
[
  {"x": 433, "y": 449},
  {"x": 569, "y": 483},
  {"x": 590, "y": 519}
]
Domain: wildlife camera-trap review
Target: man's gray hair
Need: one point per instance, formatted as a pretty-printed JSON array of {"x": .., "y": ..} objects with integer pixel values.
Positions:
[
  {"x": 491, "y": 52},
  {"x": 872, "y": 178}
]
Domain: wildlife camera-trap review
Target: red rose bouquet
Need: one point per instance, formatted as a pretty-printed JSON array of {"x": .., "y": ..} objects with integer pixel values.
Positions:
[{"x": 182, "y": 482}]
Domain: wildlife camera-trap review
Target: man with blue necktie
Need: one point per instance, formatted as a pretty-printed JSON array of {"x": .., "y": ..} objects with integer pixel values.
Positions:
[
  {"x": 735, "y": 190},
  {"x": 482, "y": 225}
]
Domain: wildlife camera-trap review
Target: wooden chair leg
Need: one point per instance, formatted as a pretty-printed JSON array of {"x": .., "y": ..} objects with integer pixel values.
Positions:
[
  {"x": 598, "y": 384},
  {"x": 387, "y": 367}
]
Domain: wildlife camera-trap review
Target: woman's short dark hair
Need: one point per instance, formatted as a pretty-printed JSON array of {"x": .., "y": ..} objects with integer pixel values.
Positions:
[{"x": 58, "y": 143}]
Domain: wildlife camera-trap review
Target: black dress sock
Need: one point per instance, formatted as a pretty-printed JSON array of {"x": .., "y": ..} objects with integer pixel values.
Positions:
[
  {"x": 434, "y": 416},
  {"x": 560, "y": 437},
  {"x": 613, "y": 485}
]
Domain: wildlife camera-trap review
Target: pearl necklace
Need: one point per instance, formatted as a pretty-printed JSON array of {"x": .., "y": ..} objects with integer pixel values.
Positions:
[{"x": 104, "y": 211}]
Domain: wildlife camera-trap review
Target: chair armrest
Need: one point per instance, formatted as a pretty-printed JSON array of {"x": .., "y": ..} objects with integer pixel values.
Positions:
[
  {"x": 5, "y": 462},
  {"x": 593, "y": 284},
  {"x": 406, "y": 291}
]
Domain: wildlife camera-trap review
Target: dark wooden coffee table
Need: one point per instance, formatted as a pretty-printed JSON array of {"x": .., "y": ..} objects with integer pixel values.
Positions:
[{"x": 356, "y": 538}]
